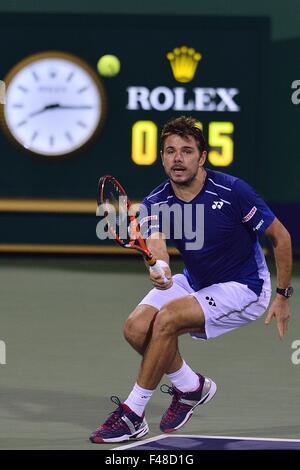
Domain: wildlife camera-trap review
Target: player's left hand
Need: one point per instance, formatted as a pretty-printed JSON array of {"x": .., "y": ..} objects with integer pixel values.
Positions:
[{"x": 280, "y": 309}]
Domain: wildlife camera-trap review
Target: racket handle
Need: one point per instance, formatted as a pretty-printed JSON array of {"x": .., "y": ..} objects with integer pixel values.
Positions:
[{"x": 158, "y": 269}]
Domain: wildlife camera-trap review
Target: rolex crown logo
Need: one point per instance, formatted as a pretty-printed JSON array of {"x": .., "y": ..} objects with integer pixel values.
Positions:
[{"x": 184, "y": 61}]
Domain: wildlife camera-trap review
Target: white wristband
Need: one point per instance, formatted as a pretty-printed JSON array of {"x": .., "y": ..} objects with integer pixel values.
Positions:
[
  {"x": 158, "y": 268},
  {"x": 162, "y": 263}
]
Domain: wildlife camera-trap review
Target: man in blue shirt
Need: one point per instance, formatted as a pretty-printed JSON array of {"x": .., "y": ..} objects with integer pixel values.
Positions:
[{"x": 214, "y": 219}]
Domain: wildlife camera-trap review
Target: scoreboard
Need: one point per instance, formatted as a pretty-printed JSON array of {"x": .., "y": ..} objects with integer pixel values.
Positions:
[{"x": 68, "y": 119}]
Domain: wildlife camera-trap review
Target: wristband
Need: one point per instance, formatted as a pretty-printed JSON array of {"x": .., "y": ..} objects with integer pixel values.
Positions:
[{"x": 162, "y": 263}]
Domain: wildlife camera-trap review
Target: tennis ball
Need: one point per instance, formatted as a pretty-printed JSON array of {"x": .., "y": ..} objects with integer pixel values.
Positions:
[{"x": 108, "y": 65}]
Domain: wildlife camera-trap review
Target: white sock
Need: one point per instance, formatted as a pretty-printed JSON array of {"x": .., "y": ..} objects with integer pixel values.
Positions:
[
  {"x": 138, "y": 399},
  {"x": 185, "y": 379}
]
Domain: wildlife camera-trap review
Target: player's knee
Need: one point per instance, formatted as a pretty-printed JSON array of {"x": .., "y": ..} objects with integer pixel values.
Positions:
[
  {"x": 165, "y": 322},
  {"x": 133, "y": 331}
]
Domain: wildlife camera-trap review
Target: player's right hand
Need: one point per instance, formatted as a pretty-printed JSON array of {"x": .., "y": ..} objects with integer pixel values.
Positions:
[{"x": 158, "y": 281}]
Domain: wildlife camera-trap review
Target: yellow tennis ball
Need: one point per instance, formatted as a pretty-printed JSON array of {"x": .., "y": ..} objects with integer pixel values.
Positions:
[{"x": 108, "y": 65}]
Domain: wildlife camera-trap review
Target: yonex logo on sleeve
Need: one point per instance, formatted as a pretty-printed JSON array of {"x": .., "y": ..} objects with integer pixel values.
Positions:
[{"x": 249, "y": 215}]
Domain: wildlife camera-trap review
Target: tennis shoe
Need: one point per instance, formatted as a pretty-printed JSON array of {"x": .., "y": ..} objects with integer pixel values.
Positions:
[
  {"x": 121, "y": 425},
  {"x": 184, "y": 403}
]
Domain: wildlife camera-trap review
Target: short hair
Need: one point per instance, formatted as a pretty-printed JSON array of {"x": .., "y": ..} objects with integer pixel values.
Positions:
[{"x": 183, "y": 126}]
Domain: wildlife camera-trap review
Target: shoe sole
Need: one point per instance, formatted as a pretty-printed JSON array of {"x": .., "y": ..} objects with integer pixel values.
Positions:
[
  {"x": 126, "y": 437},
  {"x": 208, "y": 397}
]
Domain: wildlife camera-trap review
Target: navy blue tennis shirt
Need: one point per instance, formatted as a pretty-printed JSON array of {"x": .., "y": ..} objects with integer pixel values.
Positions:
[{"x": 234, "y": 216}]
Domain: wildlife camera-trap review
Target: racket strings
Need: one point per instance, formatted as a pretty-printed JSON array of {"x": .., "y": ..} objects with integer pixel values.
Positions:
[
  {"x": 116, "y": 211},
  {"x": 121, "y": 216}
]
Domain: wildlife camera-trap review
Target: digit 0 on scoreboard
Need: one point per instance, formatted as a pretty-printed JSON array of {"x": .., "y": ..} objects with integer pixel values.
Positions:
[
  {"x": 220, "y": 142},
  {"x": 144, "y": 143}
]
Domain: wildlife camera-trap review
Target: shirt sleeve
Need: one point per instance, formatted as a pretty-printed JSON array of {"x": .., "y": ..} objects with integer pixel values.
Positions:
[
  {"x": 252, "y": 209},
  {"x": 149, "y": 219}
]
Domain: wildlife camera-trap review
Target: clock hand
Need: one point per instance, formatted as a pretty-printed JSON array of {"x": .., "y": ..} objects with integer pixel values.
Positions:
[
  {"x": 83, "y": 106},
  {"x": 59, "y": 106},
  {"x": 45, "y": 108}
]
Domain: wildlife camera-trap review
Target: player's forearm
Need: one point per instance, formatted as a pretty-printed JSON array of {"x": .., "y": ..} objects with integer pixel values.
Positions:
[
  {"x": 282, "y": 246},
  {"x": 283, "y": 256},
  {"x": 158, "y": 247}
]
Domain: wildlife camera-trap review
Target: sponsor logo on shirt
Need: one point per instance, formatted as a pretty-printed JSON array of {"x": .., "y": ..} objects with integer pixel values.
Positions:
[
  {"x": 217, "y": 204},
  {"x": 259, "y": 224},
  {"x": 249, "y": 215}
]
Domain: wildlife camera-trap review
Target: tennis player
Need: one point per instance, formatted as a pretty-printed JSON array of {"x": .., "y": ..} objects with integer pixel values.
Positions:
[{"x": 225, "y": 283}]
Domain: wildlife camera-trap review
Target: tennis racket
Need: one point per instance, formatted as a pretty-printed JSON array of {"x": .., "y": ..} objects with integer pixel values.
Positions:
[{"x": 121, "y": 220}]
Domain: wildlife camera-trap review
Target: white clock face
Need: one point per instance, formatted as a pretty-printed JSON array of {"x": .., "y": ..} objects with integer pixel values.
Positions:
[{"x": 54, "y": 105}]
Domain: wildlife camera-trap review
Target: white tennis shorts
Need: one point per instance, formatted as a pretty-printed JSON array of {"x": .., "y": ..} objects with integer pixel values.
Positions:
[{"x": 226, "y": 306}]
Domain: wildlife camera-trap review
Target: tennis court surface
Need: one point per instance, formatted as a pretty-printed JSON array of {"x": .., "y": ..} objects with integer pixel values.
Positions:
[{"x": 61, "y": 323}]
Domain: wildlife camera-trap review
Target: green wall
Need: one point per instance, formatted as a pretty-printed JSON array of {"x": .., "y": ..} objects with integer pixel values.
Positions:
[
  {"x": 278, "y": 173},
  {"x": 283, "y": 118},
  {"x": 284, "y": 15}
]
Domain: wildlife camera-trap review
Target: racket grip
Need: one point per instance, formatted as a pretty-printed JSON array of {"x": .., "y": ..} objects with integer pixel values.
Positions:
[{"x": 158, "y": 269}]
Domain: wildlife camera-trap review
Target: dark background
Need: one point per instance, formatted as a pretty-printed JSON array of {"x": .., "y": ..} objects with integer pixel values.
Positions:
[
  {"x": 257, "y": 55},
  {"x": 235, "y": 54}
]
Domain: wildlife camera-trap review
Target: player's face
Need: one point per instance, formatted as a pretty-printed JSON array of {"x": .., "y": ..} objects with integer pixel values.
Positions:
[{"x": 182, "y": 159}]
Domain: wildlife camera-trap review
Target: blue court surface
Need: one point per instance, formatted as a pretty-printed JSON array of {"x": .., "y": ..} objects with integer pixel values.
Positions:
[{"x": 192, "y": 442}]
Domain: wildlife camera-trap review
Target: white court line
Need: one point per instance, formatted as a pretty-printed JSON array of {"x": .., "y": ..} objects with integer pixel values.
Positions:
[
  {"x": 197, "y": 436},
  {"x": 241, "y": 438}
]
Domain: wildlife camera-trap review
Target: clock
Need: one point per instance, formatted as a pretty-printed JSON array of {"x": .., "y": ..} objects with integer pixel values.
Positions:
[{"x": 55, "y": 104}]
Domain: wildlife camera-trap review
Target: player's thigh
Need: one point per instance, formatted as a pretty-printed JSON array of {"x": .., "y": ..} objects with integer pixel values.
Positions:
[
  {"x": 140, "y": 321},
  {"x": 185, "y": 314}
]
